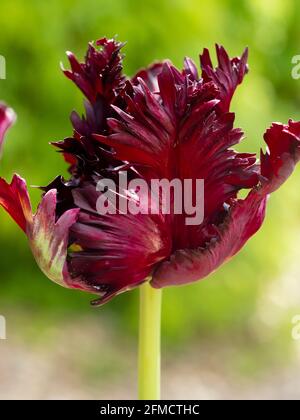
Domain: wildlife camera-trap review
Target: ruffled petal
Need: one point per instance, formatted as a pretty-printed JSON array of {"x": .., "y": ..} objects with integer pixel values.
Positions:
[
  {"x": 283, "y": 153},
  {"x": 15, "y": 200},
  {"x": 244, "y": 217},
  {"x": 101, "y": 73},
  {"x": 190, "y": 265},
  {"x": 227, "y": 75},
  {"x": 169, "y": 131},
  {"x": 48, "y": 237},
  {"x": 101, "y": 80},
  {"x": 7, "y": 118},
  {"x": 111, "y": 254},
  {"x": 179, "y": 132},
  {"x": 149, "y": 76}
]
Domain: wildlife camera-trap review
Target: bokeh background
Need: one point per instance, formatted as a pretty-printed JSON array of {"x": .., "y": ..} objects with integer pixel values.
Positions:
[{"x": 226, "y": 337}]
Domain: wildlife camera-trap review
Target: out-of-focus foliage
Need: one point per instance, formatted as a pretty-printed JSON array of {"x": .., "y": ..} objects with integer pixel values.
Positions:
[{"x": 34, "y": 37}]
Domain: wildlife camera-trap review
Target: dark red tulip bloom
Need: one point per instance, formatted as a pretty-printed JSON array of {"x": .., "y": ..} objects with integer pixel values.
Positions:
[{"x": 161, "y": 124}]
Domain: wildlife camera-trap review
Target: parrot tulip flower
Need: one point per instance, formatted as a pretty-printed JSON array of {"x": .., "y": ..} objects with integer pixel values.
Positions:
[{"x": 163, "y": 123}]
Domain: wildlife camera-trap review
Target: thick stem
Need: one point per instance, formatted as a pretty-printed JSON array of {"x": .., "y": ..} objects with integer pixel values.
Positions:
[{"x": 149, "y": 342}]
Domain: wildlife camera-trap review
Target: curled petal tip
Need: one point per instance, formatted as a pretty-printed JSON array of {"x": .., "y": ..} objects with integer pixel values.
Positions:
[
  {"x": 48, "y": 235},
  {"x": 282, "y": 154}
]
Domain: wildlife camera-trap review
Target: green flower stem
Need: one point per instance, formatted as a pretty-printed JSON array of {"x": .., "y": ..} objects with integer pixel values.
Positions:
[{"x": 149, "y": 342}]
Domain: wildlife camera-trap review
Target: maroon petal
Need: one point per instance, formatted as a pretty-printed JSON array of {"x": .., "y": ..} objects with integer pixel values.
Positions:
[
  {"x": 189, "y": 265},
  {"x": 15, "y": 200},
  {"x": 190, "y": 69},
  {"x": 101, "y": 80},
  {"x": 170, "y": 129},
  {"x": 111, "y": 254},
  {"x": 7, "y": 118},
  {"x": 100, "y": 74},
  {"x": 149, "y": 76},
  {"x": 227, "y": 76},
  {"x": 48, "y": 237},
  {"x": 244, "y": 217},
  {"x": 283, "y": 153}
]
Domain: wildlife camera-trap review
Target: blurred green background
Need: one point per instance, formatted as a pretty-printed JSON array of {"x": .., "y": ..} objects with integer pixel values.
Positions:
[{"x": 239, "y": 317}]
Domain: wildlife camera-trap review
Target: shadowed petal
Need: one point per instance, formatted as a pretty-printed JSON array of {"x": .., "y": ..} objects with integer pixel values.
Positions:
[
  {"x": 190, "y": 69},
  {"x": 101, "y": 80},
  {"x": 244, "y": 217},
  {"x": 149, "y": 76},
  {"x": 189, "y": 265},
  {"x": 114, "y": 253},
  {"x": 48, "y": 237}
]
